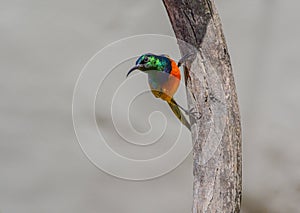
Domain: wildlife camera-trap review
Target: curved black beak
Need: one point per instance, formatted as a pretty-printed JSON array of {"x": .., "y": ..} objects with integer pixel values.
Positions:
[{"x": 136, "y": 67}]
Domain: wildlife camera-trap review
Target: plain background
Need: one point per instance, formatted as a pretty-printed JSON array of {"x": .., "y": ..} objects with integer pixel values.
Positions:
[{"x": 45, "y": 44}]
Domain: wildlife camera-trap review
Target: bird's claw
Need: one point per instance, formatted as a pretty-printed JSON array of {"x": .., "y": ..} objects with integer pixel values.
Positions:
[
  {"x": 185, "y": 58},
  {"x": 193, "y": 113}
]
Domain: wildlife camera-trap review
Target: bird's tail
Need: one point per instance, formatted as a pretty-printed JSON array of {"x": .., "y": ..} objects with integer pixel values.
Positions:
[{"x": 174, "y": 106}]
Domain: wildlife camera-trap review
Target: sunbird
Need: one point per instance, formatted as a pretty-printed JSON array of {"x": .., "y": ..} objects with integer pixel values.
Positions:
[{"x": 163, "y": 78}]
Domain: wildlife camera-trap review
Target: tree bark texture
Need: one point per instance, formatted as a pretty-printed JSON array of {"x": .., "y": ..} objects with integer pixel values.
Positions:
[{"x": 216, "y": 132}]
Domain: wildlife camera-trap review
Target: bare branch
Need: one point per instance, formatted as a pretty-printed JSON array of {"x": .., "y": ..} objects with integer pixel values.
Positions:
[{"x": 211, "y": 92}]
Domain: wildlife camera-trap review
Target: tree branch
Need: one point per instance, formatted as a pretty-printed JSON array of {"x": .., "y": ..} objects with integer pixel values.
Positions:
[{"x": 211, "y": 92}]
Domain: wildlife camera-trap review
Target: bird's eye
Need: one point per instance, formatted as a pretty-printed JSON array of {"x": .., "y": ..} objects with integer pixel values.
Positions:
[{"x": 146, "y": 59}]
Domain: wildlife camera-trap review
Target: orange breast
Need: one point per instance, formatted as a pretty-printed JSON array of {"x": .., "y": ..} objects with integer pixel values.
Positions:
[
  {"x": 175, "y": 70},
  {"x": 164, "y": 85}
]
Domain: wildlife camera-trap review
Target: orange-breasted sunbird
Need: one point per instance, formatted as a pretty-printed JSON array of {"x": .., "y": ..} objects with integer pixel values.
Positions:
[{"x": 164, "y": 79}]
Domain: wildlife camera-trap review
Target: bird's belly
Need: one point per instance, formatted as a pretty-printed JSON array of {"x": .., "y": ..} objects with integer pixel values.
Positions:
[{"x": 163, "y": 85}]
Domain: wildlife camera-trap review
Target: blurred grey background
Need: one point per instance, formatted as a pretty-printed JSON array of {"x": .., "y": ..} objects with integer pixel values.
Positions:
[{"x": 45, "y": 44}]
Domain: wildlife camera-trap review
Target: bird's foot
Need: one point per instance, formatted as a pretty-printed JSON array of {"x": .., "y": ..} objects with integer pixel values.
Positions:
[
  {"x": 193, "y": 113},
  {"x": 185, "y": 58}
]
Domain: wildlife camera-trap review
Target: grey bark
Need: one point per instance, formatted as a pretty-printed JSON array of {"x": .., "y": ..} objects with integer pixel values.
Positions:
[{"x": 216, "y": 132}]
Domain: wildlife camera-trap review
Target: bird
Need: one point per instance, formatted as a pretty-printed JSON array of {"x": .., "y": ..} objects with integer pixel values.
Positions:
[{"x": 164, "y": 79}]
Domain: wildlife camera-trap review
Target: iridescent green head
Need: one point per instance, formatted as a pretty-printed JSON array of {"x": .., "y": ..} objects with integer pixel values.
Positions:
[{"x": 149, "y": 61}]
